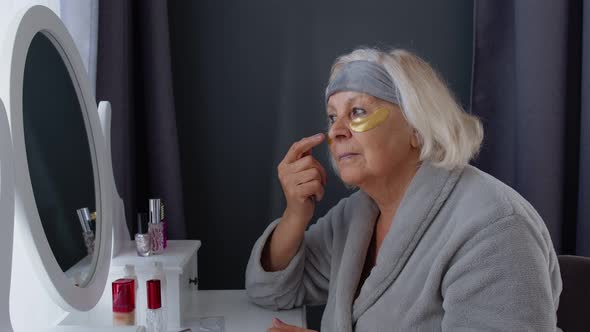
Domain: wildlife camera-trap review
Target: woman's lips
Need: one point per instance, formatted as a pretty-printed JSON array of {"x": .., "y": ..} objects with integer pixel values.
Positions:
[{"x": 347, "y": 156}]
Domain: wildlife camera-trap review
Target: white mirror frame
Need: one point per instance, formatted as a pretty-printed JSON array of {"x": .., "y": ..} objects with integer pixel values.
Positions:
[
  {"x": 6, "y": 217},
  {"x": 27, "y": 223},
  {"x": 120, "y": 231}
]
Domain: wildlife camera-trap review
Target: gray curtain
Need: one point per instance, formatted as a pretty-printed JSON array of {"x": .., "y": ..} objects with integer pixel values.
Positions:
[
  {"x": 530, "y": 86},
  {"x": 134, "y": 73}
]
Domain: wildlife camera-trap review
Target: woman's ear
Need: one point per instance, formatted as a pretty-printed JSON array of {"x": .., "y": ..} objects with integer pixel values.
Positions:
[{"x": 415, "y": 139}]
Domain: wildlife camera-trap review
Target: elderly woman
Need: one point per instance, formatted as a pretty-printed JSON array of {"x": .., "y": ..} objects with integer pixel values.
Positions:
[{"x": 427, "y": 242}]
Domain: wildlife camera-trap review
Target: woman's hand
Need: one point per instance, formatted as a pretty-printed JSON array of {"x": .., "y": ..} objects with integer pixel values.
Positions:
[
  {"x": 279, "y": 326},
  {"x": 302, "y": 178}
]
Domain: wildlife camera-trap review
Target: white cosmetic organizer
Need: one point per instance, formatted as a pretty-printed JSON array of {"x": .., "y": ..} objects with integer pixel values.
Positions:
[{"x": 179, "y": 261}]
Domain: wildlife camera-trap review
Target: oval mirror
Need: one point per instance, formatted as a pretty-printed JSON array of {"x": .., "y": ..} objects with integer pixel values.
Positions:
[
  {"x": 60, "y": 159},
  {"x": 63, "y": 203}
]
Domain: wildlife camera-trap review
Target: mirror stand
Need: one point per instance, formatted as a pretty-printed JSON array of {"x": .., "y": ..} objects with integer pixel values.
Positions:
[
  {"x": 6, "y": 217},
  {"x": 121, "y": 235},
  {"x": 40, "y": 288}
]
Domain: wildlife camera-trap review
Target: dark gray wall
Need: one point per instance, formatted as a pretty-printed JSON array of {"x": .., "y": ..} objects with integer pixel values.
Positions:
[{"x": 249, "y": 80}]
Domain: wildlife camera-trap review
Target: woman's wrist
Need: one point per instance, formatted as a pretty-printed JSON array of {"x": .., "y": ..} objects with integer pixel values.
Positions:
[
  {"x": 295, "y": 221},
  {"x": 283, "y": 242}
]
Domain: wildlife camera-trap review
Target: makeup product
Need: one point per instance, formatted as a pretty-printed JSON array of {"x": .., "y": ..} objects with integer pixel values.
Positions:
[
  {"x": 155, "y": 228},
  {"x": 123, "y": 291},
  {"x": 370, "y": 121},
  {"x": 129, "y": 273},
  {"x": 85, "y": 217},
  {"x": 159, "y": 274},
  {"x": 165, "y": 242},
  {"x": 155, "y": 318},
  {"x": 142, "y": 238}
]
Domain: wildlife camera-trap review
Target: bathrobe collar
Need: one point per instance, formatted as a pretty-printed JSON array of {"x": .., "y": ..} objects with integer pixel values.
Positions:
[{"x": 427, "y": 192}]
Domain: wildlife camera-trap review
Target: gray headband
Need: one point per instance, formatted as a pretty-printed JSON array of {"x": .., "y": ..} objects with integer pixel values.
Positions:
[{"x": 367, "y": 77}]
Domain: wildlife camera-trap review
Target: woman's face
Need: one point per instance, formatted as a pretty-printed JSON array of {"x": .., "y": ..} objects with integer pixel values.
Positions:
[{"x": 362, "y": 157}]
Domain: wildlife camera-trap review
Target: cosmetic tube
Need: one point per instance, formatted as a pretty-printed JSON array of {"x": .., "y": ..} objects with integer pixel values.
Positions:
[
  {"x": 160, "y": 274},
  {"x": 155, "y": 318},
  {"x": 129, "y": 273},
  {"x": 123, "y": 302}
]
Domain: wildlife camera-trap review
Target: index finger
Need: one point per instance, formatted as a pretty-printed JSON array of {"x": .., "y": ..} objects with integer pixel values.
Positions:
[{"x": 299, "y": 148}]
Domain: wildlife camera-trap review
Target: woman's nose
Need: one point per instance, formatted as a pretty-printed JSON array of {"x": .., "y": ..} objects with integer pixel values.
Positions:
[{"x": 339, "y": 130}]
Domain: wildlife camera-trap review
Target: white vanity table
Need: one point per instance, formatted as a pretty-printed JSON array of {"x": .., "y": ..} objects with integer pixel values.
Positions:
[
  {"x": 237, "y": 312},
  {"x": 233, "y": 306},
  {"x": 43, "y": 296},
  {"x": 239, "y": 315}
]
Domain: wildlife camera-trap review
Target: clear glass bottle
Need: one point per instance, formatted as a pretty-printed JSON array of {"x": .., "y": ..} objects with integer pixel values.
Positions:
[
  {"x": 156, "y": 238},
  {"x": 142, "y": 238},
  {"x": 155, "y": 318},
  {"x": 160, "y": 274},
  {"x": 156, "y": 229}
]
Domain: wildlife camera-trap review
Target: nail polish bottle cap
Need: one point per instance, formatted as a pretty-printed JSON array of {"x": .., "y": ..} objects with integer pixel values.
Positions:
[
  {"x": 141, "y": 223},
  {"x": 154, "y": 296}
]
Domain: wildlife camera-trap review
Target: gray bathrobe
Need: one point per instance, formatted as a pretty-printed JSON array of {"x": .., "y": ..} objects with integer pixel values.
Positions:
[{"x": 464, "y": 252}]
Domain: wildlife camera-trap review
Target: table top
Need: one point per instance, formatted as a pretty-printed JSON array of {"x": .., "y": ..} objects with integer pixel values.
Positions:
[
  {"x": 95, "y": 329},
  {"x": 238, "y": 313}
]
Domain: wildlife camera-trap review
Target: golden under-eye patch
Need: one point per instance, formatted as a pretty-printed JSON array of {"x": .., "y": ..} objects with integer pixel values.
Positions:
[{"x": 369, "y": 122}]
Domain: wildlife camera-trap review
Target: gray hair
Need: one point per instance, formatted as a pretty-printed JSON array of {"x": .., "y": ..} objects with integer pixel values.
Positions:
[{"x": 449, "y": 136}]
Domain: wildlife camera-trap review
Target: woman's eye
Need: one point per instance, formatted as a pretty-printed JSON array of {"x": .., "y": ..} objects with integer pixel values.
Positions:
[
  {"x": 331, "y": 119},
  {"x": 358, "y": 112}
]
